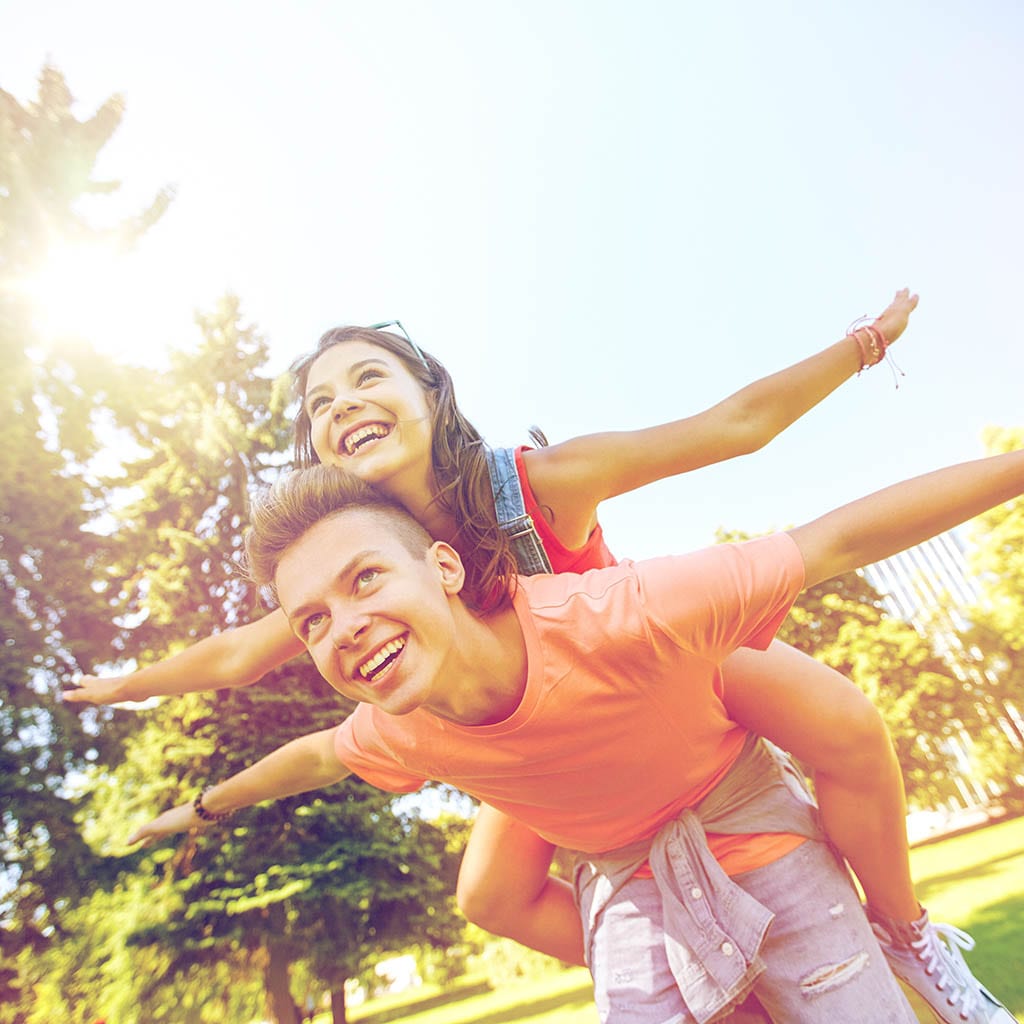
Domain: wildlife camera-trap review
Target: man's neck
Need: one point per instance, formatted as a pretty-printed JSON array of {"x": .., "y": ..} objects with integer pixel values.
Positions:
[{"x": 487, "y": 679}]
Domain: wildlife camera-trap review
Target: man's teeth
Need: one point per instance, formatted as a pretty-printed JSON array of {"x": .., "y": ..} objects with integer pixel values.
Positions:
[
  {"x": 372, "y": 666},
  {"x": 363, "y": 434}
]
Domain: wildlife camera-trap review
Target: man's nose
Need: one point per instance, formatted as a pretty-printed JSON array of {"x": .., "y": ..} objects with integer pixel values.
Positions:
[{"x": 348, "y": 628}]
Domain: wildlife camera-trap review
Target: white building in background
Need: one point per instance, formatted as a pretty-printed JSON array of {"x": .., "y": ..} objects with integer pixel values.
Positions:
[
  {"x": 919, "y": 582},
  {"x": 931, "y": 587}
]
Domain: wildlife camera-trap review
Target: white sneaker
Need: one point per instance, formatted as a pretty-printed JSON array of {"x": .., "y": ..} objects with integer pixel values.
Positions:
[{"x": 927, "y": 957}]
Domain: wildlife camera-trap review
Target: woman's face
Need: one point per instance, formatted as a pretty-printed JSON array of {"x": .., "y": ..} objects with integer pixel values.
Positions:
[{"x": 369, "y": 415}]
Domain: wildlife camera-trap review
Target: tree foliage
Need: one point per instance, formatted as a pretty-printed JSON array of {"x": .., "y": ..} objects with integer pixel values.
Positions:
[
  {"x": 53, "y": 612},
  {"x": 330, "y": 877}
]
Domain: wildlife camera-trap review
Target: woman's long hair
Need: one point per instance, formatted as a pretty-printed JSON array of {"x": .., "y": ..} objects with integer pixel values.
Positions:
[{"x": 457, "y": 454}]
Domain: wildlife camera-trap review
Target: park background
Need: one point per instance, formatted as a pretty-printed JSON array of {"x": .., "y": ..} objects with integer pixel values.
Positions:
[{"x": 598, "y": 215}]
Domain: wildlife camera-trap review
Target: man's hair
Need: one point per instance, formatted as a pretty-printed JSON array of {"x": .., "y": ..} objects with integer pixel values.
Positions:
[{"x": 299, "y": 500}]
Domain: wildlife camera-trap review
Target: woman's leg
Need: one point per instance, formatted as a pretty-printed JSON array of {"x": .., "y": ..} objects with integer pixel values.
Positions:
[
  {"x": 505, "y": 887},
  {"x": 825, "y": 721},
  {"x": 821, "y": 718}
]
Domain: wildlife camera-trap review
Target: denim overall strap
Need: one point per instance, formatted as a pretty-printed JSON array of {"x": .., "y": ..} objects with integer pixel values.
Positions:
[{"x": 510, "y": 509}]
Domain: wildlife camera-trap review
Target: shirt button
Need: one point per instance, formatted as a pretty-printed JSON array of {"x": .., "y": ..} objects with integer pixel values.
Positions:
[
  {"x": 728, "y": 949},
  {"x": 696, "y": 893}
]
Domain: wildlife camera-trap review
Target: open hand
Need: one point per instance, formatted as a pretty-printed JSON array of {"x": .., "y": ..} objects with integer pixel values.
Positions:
[
  {"x": 94, "y": 690},
  {"x": 893, "y": 321},
  {"x": 178, "y": 819}
]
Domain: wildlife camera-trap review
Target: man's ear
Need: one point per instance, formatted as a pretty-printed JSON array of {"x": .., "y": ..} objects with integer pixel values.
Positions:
[{"x": 448, "y": 562}]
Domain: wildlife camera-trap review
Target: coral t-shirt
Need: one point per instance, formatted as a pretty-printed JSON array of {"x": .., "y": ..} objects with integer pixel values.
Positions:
[{"x": 621, "y": 725}]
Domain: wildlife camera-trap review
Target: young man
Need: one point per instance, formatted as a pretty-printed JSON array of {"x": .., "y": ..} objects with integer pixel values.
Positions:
[{"x": 589, "y": 707}]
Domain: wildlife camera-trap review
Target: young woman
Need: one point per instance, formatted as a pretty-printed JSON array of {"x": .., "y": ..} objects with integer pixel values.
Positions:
[{"x": 375, "y": 404}]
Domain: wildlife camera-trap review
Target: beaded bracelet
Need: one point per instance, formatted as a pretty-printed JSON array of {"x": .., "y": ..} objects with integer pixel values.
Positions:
[{"x": 202, "y": 813}]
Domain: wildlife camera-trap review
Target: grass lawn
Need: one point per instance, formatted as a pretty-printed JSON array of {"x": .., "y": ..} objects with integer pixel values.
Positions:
[
  {"x": 560, "y": 997},
  {"x": 974, "y": 881}
]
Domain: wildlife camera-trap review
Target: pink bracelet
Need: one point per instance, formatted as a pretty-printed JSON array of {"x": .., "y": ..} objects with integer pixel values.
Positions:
[
  {"x": 863, "y": 354},
  {"x": 878, "y": 343},
  {"x": 879, "y": 347}
]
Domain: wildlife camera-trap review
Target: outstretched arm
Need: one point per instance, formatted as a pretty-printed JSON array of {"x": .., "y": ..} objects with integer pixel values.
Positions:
[
  {"x": 906, "y": 514},
  {"x": 236, "y": 657},
  {"x": 587, "y": 470},
  {"x": 304, "y": 764}
]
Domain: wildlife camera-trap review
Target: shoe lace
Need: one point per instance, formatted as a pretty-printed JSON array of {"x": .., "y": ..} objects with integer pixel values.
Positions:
[{"x": 939, "y": 950}]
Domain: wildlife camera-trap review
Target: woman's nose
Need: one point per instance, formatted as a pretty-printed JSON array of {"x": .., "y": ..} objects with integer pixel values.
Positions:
[{"x": 344, "y": 404}]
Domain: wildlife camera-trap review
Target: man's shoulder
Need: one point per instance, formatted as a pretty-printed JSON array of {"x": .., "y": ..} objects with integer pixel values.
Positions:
[{"x": 628, "y": 580}]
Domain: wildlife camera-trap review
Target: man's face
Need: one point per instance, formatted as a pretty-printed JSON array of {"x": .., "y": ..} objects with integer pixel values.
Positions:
[{"x": 376, "y": 618}]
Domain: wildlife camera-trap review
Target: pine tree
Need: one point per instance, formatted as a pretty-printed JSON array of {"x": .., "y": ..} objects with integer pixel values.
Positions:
[
  {"x": 53, "y": 613},
  {"x": 329, "y": 877}
]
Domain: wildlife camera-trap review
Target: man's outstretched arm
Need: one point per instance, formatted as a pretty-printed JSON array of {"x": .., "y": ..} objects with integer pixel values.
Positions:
[
  {"x": 304, "y": 764},
  {"x": 898, "y": 517}
]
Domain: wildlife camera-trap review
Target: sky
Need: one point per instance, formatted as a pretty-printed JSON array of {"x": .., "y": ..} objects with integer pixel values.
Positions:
[{"x": 600, "y": 215}]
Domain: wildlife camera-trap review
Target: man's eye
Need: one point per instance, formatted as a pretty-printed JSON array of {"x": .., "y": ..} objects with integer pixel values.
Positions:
[
  {"x": 367, "y": 576},
  {"x": 313, "y": 623}
]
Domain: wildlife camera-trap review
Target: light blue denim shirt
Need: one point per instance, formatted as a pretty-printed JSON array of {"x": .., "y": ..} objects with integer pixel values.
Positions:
[{"x": 713, "y": 929}]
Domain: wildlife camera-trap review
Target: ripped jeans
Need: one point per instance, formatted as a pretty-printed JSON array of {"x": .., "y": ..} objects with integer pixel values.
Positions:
[{"x": 822, "y": 961}]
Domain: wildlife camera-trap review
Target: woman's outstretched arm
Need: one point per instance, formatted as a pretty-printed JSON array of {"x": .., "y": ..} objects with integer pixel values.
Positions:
[
  {"x": 573, "y": 477},
  {"x": 236, "y": 657}
]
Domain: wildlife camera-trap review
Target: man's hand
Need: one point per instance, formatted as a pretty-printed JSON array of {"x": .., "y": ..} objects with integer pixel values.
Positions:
[{"x": 177, "y": 819}]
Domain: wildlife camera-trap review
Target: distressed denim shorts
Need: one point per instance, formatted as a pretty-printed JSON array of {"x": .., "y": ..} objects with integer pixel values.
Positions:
[{"x": 823, "y": 963}]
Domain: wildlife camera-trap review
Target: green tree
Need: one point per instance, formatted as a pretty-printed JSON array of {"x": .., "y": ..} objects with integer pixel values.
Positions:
[
  {"x": 992, "y": 648},
  {"x": 328, "y": 878},
  {"x": 998, "y": 556},
  {"x": 53, "y": 613}
]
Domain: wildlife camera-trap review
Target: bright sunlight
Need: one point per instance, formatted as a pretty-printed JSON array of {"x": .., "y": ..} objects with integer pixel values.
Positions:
[{"x": 96, "y": 292}]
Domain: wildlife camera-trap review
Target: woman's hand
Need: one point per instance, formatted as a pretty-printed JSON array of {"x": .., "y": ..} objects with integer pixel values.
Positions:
[{"x": 892, "y": 322}]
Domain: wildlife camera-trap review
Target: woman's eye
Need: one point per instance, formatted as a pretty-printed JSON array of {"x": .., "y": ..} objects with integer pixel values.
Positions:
[
  {"x": 367, "y": 375},
  {"x": 317, "y": 403}
]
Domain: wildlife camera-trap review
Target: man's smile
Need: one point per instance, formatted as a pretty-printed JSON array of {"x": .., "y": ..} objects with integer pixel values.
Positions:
[{"x": 382, "y": 659}]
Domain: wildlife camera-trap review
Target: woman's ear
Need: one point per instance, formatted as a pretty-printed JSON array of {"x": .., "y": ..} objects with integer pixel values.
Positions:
[{"x": 448, "y": 562}]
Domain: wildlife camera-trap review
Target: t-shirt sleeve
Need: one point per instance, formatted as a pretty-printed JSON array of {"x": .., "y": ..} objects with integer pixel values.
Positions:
[
  {"x": 732, "y": 595},
  {"x": 360, "y": 747}
]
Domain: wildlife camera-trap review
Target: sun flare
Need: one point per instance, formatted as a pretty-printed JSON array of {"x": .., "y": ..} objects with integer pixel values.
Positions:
[
  {"x": 72, "y": 287},
  {"x": 97, "y": 293}
]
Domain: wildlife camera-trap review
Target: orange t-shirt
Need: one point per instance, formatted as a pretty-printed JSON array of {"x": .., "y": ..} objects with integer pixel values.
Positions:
[{"x": 621, "y": 725}]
